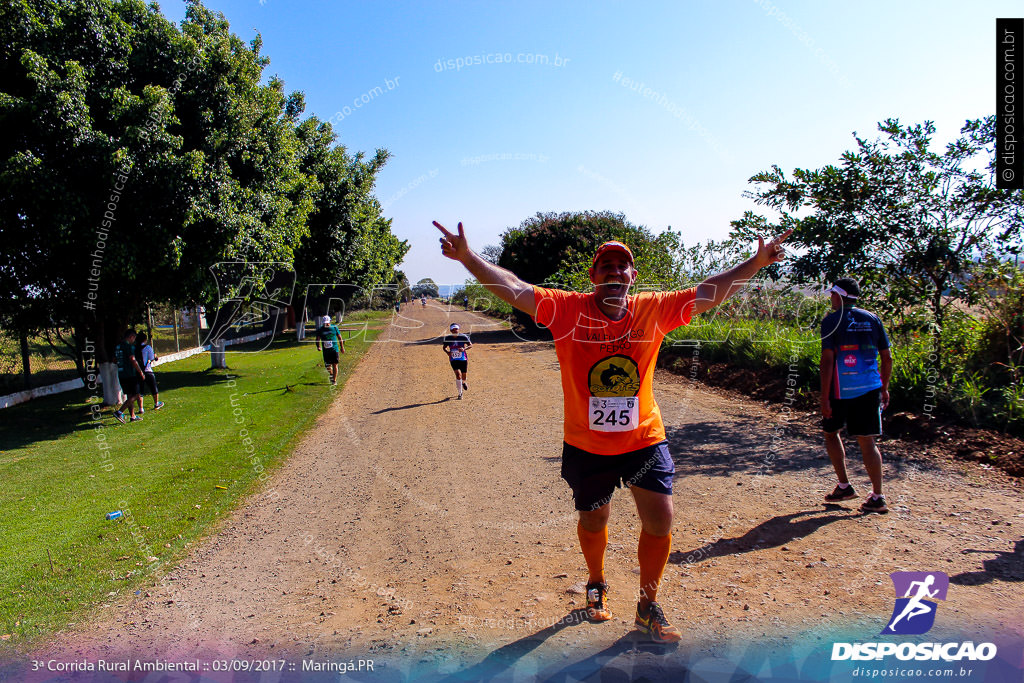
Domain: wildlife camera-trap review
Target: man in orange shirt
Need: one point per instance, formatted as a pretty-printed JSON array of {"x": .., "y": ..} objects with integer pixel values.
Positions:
[{"x": 607, "y": 344}]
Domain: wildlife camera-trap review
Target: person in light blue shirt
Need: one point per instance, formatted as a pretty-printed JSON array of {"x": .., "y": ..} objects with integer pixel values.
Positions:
[{"x": 856, "y": 364}]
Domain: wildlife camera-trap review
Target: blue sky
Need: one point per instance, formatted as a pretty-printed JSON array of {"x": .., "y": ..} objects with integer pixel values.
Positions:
[{"x": 733, "y": 87}]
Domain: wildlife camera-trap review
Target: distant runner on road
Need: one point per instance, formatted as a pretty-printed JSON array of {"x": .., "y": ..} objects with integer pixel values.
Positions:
[
  {"x": 455, "y": 345},
  {"x": 328, "y": 335},
  {"x": 607, "y": 343}
]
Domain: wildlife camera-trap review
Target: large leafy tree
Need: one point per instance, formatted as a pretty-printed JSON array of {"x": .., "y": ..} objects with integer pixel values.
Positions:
[
  {"x": 135, "y": 157},
  {"x": 908, "y": 219},
  {"x": 350, "y": 249},
  {"x": 425, "y": 287},
  {"x": 557, "y": 249}
]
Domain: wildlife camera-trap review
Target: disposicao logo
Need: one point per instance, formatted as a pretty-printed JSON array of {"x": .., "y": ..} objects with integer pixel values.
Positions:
[
  {"x": 914, "y": 614},
  {"x": 916, "y": 593}
]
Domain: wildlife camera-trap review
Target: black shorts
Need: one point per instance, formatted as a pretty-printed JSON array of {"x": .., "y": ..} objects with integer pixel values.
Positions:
[
  {"x": 151, "y": 383},
  {"x": 459, "y": 365},
  {"x": 593, "y": 478},
  {"x": 129, "y": 384},
  {"x": 862, "y": 415},
  {"x": 330, "y": 356}
]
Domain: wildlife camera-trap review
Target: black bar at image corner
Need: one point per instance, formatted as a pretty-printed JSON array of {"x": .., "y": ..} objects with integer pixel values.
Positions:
[{"x": 1010, "y": 104}]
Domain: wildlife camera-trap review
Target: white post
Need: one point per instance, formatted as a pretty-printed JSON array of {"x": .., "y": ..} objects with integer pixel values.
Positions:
[
  {"x": 112, "y": 395},
  {"x": 218, "y": 361}
]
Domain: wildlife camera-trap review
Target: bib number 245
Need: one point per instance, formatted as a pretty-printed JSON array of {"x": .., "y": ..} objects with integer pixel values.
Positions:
[{"x": 614, "y": 414}]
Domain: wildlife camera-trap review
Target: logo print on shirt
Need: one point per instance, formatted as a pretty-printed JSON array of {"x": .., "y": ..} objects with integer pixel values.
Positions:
[
  {"x": 614, "y": 376},
  {"x": 850, "y": 360}
]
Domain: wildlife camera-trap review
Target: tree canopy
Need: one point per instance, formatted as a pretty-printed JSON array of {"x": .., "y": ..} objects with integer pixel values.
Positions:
[
  {"x": 425, "y": 287},
  {"x": 137, "y": 155},
  {"x": 557, "y": 250},
  {"x": 908, "y": 220}
]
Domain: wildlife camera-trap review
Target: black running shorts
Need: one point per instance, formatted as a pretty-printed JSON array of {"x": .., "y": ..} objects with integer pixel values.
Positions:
[
  {"x": 593, "y": 478},
  {"x": 862, "y": 415},
  {"x": 129, "y": 384}
]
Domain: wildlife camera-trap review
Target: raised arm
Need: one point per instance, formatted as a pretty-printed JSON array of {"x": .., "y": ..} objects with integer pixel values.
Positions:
[
  {"x": 720, "y": 287},
  {"x": 502, "y": 283}
]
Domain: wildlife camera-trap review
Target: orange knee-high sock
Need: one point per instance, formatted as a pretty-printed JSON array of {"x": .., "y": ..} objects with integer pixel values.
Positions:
[
  {"x": 652, "y": 551},
  {"x": 593, "y": 544}
]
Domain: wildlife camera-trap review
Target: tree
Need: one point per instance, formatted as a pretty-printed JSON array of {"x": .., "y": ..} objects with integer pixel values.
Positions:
[
  {"x": 350, "y": 249},
  {"x": 425, "y": 287},
  {"x": 557, "y": 249},
  {"x": 150, "y": 151},
  {"x": 907, "y": 220}
]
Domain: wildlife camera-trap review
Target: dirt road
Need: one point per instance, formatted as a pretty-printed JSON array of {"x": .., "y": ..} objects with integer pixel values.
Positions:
[{"x": 437, "y": 534}]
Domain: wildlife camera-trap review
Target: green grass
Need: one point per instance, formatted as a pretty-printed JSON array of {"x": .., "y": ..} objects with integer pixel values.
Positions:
[
  {"x": 753, "y": 344},
  {"x": 58, "y": 482}
]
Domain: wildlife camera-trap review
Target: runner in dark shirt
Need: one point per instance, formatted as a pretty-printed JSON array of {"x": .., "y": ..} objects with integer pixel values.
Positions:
[
  {"x": 129, "y": 373},
  {"x": 329, "y": 336},
  {"x": 455, "y": 345}
]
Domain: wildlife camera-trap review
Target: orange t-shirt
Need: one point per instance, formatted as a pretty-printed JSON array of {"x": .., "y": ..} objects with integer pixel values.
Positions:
[{"x": 608, "y": 365}]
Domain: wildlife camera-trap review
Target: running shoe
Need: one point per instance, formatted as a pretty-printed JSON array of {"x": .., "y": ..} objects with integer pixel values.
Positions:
[
  {"x": 159, "y": 405},
  {"x": 465, "y": 387},
  {"x": 841, "y": 494},
  {"x": 119, "y": 416},
  {"x": 596, "y": 609},
  {"x": 653, "y": 622},
  {"x": 872, "y": 504},
  {"x": 459, "y": 397},
  {"x": 137, "y": 418},
  {"x": 140, "y": 411}
]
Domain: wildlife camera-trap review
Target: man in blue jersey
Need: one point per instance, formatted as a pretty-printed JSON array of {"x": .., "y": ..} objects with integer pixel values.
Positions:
[{"x": 854, "y": 388}]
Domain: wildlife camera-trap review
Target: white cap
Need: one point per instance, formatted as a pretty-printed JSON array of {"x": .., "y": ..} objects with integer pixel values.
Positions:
[
  {"x": 325, "y": 320},
  {"x": 453, "y": 326},
  {"x": 842, "y": 292}
]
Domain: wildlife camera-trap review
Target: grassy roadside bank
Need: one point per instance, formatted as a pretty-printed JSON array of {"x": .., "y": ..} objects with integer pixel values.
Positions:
[{"x": 175, "y": 475}]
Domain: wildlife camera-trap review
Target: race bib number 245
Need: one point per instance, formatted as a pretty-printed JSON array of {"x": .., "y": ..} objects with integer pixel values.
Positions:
[{"x": 614, "y": 413}]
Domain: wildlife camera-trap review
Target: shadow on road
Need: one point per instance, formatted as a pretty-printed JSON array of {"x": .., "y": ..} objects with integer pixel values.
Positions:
[
  {"x": 771, "y": 533},
  {"x": 412, "y": 405},
  {"x": 741, "y": 446},
  {"x": 1005, "y": 566},
  {"x": 506, "y": 656},
  {"x": 603, "y": 665}
]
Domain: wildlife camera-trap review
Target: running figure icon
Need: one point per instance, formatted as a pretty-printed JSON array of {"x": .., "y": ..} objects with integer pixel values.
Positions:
[
  {"x": 917, "y": 598},
  {"x": 916, "y": 607}
]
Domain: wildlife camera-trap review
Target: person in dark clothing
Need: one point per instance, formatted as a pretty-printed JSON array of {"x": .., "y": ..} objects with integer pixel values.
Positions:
[{"x": 128, "y": 375}]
